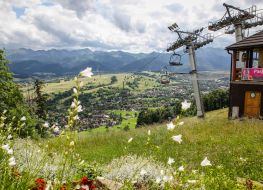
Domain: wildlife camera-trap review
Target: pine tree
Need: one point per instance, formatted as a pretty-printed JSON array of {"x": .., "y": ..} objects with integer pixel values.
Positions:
[{"x": 41, "y": 100}]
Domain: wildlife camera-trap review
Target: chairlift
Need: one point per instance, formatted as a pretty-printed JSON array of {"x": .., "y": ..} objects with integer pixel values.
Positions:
[
  {"x": 175, "y": 60},
  {"x": 165, "y": 78}
]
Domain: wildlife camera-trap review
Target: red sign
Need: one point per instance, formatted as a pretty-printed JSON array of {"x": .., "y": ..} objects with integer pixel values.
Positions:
[{"x": 252, "y": 74}]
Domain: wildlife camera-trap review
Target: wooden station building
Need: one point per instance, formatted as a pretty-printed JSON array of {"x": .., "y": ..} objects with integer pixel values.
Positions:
[{"x": 246, "y": 81}]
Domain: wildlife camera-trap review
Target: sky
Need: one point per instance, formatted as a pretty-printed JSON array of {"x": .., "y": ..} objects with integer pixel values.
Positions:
[{"x": 107, "y": 25}]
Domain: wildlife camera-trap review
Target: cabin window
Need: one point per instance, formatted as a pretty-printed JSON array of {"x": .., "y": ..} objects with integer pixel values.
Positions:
[{"x": 241, "y": 58}]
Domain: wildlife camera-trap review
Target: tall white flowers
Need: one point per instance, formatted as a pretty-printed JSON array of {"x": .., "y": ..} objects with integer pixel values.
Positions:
[
  {"x": 130, "y": 140},
  {"x": 170, "y": 126},
  {"x": 177, "y": 138},
  {"x": 206, "y": 162},
  {"x": 87, "y": 72},
  {"x": 170, "y": 161},
  {"x": 12, "y": 161}
]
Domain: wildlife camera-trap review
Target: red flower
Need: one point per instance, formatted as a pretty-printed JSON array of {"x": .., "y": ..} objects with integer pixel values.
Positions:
[
  {"x": 92, "y": 186},
  {"x": 41, "y": 184},
  {"x": 84, "y": 181}
]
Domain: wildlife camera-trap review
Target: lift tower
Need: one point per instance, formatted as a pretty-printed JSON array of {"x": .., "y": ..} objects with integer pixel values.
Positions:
[
  {"x": 192, "y": 41},
  {"x": 236, "y": 20}
]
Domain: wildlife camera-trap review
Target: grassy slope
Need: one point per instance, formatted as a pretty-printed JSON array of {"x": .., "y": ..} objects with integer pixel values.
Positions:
[
  {"x": 221, "y": 140},
  {"x": 55, "y": 87}
]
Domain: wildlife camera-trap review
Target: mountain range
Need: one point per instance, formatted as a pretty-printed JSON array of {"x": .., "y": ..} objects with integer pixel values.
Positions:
[{"x": 28, "y": 62}]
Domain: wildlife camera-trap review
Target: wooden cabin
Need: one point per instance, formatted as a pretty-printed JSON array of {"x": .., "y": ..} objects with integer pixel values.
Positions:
[{"x": 246, "y": 81}]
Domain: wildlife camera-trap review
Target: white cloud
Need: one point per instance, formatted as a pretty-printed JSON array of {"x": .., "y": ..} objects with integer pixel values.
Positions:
[{"x": 131, "y": 25}]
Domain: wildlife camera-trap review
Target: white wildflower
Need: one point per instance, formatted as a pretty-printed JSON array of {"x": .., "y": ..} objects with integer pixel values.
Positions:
[
  {"x": 79, "y": 109},
  {"x": 23, "y": 118},
  {"x": 167, "y": 178},
  {"x": 191, "y": 181},
  {"x": 73, "y": 105},
  {"x": 162, "y": 172},
  {"x": 56, "y": 130},
  {"x": 46, "y": 125},
  {"x": 12, "y": 161},
  {"x": 130, "y": 140},
  {"x": 82, "y": 162},
  {"x": 143, "y": 172},
  {"x": 158, "y": 180},
  {"x": 149, "y": 132},
  {"x": 186, "y": 105},
  {"x": 76, "y": 117},
  {"x": 181, "y": 123},
  {"x": 9, "y": 137},
  {"x": 170, "y": 161},
  {"x": 206, "y": 162},
  {"x": 10, "y": 151},
  {"x": 181, "y": 168},
  {"x": 177, "y": 138},
  {"x": 170, "y": 126},
  {"x": 6, "y": 147},
  {"x": 87, "y": 72},
  {"x": 81, "y": 84},
  {"x": 71, "y": 143},
  {"x": 75, "y": 90}
]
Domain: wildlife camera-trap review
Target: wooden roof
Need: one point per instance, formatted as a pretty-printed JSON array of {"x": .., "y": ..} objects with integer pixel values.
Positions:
[{"x": 251, "y": 42}]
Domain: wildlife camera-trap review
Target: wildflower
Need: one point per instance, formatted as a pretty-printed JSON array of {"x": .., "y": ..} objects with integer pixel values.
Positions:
[
  {"x": 75, "y": 91},
  {"x": 158, "y": 179},
  {"x": 167, "y": 178},
  {"x": 73, "y": 105},
  {"x": 12, "y": 161},
  {"x": 82, "y": 162},
  {"x": 170, "y": 126},
  {"x": 186, "y": 105},
  {"x": 87, "y": 72},
  {"x": 206, "y": 162},
  {"x": 162, "y": 172},
  {"x": 181, "y": 123},
  {"x": 181, "y": 168},
  {"x": 71, "y": 143},
  {"x": 177, "y": 138},
  {"x": 170, "y": 161},
  {"x": 243, "y": 159},
  {"x": 81, "y": 84},
  {"x": 46, "y": 125},
  {"x": 56, "y": 130},
  {"x": 149, "y": 132},
  {"x": 9, "y": 137},
  {"x": 76, "y": 117},
  {"x": 6, "y": 147},
  {"x": 10, "y": 151},
  {"x": 79, "y": 109},
  {"x": 41, "y": 184},
  {"x": 191, "y": 181},
  {"x": 23, "y": 118},
  {"x": 143, "y": 172},
  {"x": 130, "y": 140}
]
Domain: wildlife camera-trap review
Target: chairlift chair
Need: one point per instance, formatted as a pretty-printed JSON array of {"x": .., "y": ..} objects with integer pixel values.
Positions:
[
  {"x": 175, "y": 60},
  {"x": 165, "y": 78}
]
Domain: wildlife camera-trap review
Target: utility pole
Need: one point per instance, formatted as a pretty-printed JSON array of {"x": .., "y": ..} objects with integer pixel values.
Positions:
[{"x": 192, "y": 41}]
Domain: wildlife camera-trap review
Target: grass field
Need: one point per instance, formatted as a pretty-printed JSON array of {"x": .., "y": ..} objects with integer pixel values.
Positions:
[
  {"x": 234, "y": 145},
  {"x": 95, "y": 81}
]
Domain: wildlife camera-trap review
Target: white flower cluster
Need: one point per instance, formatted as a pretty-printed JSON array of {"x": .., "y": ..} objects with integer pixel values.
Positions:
[
  {"x": 136, "y": 169},
  {"x": 12, "y": 160}
]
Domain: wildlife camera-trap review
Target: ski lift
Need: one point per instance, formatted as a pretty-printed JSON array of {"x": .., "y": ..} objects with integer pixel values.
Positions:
[
  {"x": 175, "y": 60},
  {"x": 165, "y": 77}
]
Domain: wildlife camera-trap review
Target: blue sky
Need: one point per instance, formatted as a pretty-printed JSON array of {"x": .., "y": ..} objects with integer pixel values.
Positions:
[{"x": 129, "y": 25}]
